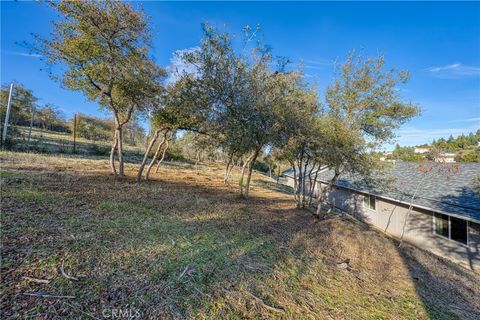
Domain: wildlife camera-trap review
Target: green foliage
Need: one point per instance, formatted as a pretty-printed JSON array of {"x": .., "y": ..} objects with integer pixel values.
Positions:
[
  {"x": 264, "y": 165},
  {"x": 175, "y": 153},
  {"x": 365, "y": 98},
  {"x": 297, "y": 116},
  {"x": 50, "y": 117},
  {"x": 93, "y": 128},
  {"x": 104, "y": 48},
  {"x": 21, "y": 106},
  {"x": 47, "y": 117},
  {"x": 101, "y": 129},
  {"x": 364, "y": 108},
  {"x": 406, "y": 154},
  {"x": 197, "y": 147},
  {"x": 134, "y": 133},
  {"x": 469, "y": 156},
  {"x": 458, "y": 143}
]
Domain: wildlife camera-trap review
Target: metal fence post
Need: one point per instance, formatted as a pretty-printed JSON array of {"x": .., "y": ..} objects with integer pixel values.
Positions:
[{"x": 7, "y": 116}]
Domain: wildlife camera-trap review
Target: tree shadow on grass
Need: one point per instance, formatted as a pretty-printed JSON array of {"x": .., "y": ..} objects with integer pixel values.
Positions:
[
  {"x": 446, "y": 285},
  {"x": 448, "y": 290},
  {"x": 167, "y": 248}
]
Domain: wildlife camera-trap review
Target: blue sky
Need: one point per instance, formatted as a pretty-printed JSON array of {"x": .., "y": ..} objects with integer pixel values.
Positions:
[{"x": 439, "y": 43}]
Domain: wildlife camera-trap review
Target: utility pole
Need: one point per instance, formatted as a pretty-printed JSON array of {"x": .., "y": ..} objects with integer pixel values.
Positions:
[
  {"x": 7, "y": 116},
  {"x": 31, "y": 124},
  {"x": 74, "y": 132}
]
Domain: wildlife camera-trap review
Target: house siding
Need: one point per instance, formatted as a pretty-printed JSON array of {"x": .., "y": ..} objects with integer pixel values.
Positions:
[
  {"x": 289, "y": 181},
  {"x": 390, "y": 217}
]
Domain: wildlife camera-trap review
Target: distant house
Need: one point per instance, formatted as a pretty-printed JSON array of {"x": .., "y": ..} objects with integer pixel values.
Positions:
[
  {"x": 445, "y": 157},
  {"x": 445, "y": 215},
  {"x": 421, "y": 150}
]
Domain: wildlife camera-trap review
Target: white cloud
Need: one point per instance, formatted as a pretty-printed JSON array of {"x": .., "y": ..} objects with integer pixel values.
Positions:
[
  {"x": 454, "y": 70},
  {"x": 477, "y": 119},
  {"x": 178, "y": 67},
  {"x": 315, "y": 64},
  {"x": 22, "y": 54},
  {"x": 412, "y": 132}
]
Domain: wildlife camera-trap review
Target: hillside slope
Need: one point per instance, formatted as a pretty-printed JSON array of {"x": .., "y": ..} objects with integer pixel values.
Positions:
[{"x": 186, "y": 246}]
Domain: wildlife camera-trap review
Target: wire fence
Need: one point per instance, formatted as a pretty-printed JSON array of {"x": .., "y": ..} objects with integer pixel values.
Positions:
[{"x": 28, "y": 128}]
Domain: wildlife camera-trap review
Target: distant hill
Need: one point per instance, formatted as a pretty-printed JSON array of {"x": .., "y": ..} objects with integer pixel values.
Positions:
[{"x": 465, "y": 147}]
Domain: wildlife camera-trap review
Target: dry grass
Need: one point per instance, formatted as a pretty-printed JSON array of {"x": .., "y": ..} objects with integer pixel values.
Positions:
[{"x": 186, "y": 246}]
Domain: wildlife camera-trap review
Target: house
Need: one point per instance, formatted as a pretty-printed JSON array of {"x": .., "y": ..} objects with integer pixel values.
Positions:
[
  {"x": 444, "y": 216},
  {"x": 421, "y": 150},
  {"x": 445, "y": 157}
]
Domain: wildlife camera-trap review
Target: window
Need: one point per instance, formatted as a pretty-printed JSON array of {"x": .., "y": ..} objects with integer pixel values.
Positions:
[
  {"x": 450, "y": 227},
  {"x": 441, "y": 224},
  {"x": 369, "y": 202},
  {"x": 458, "y": 230}
]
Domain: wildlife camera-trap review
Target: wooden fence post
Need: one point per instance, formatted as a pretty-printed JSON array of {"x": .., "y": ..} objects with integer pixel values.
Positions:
[
  {"x": 74, "y": 132},
  {"x": 31, "y": 124}
]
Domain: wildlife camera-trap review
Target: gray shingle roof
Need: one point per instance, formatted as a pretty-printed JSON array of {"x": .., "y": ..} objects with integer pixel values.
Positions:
[{"x": 449, "y": 193}]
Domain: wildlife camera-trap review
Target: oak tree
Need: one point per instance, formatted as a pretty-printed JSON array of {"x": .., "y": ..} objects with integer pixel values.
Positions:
[{"x": 101, "y": 49}]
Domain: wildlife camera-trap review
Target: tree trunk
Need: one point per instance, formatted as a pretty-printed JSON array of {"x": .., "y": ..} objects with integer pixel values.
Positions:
[
  {"x": 197, "y": 161},
  {"x": 250, "y": 169},
  {"x": 312, "y": 186},
  {"x": 306, "y": 191},
  {"x": 147, "y": 151},
  {"x": 163, "y": 156},
  {"x": 240, "y": 183},
  {"x": 119, "y": 135},
  {"x": 112, "y": 154},
  {"x": 278, "y": 175},
  {"x": 120, "y": 151},
  {"x": 295, "y": 181},
  {"x": 245, "y": 164},
  {"x": 304, "y": 186},
  {"x": 301, "y": 181},
  {"x": 227, "y": 170},
  {"x": 155, "y": 156},
  {"x": 230, "y": 171}
]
